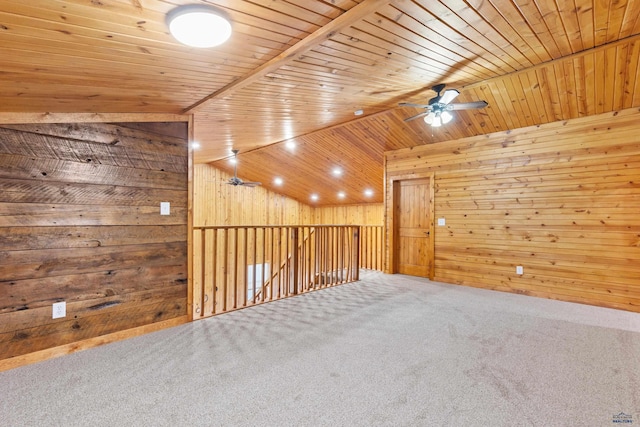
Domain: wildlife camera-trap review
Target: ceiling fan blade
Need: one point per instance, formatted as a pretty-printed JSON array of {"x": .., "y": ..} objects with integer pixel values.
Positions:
[
  {"x": 417, "y": 116},
  {"x": 251, "y": 183},
  {"x": 448, "y": 96},
  {"x": 467, "y": 105},
  {"x": 408, "y": 104}
]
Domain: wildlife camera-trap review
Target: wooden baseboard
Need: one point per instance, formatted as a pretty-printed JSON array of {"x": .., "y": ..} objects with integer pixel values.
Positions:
[{"x": 50, "y": 353}]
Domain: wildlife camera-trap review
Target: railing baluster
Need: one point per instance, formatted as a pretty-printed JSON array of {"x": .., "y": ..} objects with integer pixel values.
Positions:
[
  {"x": 279, "y": 251},
  {"x": 225, "y": 243},
  {"x": 264, "y": 263},
  {"x": 214, "y": 274},
  {"x": 294, "y": 258},
  {"x": 255, "y": 265},
  {"x": 235, "y": 268}
]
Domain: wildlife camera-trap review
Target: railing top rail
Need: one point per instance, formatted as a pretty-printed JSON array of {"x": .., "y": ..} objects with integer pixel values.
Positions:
[{"x": 210, "y": 227}]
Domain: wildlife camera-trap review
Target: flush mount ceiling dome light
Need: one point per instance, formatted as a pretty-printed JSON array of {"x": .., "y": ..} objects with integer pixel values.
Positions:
[{"x": 199, "y": 25}]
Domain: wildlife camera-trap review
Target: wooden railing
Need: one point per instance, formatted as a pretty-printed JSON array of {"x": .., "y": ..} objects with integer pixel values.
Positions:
[
  {"x": 239, "y": 266},
  {"x": 371, "y": 247}
]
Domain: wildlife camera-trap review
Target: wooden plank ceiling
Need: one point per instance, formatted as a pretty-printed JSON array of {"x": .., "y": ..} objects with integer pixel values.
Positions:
[{"x": 297, "y": 70}]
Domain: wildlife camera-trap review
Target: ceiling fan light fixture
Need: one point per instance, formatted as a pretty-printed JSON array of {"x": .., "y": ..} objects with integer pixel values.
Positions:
[
  {"x": 199, "y": 25},
  {"x": 428, "y": 119},
  {"x": 437, "y": 121},
  {"x": 446, "y": 117}
]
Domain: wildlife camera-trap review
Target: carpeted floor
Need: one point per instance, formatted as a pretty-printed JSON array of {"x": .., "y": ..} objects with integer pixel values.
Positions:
[{"x": 386, "y": 351}]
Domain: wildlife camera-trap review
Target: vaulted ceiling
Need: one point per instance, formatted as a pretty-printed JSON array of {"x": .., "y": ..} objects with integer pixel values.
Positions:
[{"x": 297, "y": 70}]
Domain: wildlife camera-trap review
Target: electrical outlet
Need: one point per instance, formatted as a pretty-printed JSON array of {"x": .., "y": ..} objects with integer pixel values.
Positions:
[
  {"x": 165, "y": 208},
  {"x": 59, "y": 310},
  {"x": 519, "y": 270}
]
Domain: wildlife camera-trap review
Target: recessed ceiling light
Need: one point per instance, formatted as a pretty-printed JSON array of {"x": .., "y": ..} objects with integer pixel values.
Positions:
[
  {"x": 198, "y": 25},
  {"x": 341, "y": 195},
  {"x": 314, "y": 197},
  {"x": 278, "y": 181},
  {"x": 195, "y": 145},
  {"x": 290, "y": 145},
  {"x": 368, "y": 192},
  {"x": 337, "y": 171},
  {"x": 358, "y": 112}
]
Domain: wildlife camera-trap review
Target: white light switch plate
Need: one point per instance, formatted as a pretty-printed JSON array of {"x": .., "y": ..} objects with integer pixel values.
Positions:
[
  {"x": 165, "y": 208},
  {"x": 519, "y": 270},
  {"x": 441, "y": 222},
  {"x": 59, "y": 310}
]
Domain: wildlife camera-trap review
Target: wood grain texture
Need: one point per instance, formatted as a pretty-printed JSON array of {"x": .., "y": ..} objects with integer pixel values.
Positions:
[
  {"x": 80, "y": 222},
  {"x": 561, "y": 200},
  {"x": 297, "y": 70}
]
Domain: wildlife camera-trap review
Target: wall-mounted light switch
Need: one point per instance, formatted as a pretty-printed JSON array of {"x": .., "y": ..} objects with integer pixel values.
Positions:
[
  {"x": 441, "y": 222},
  {"x": 59, "y": 310},
  {"x": 165, "y": 208},
  {"x": 519, "y": 270}
]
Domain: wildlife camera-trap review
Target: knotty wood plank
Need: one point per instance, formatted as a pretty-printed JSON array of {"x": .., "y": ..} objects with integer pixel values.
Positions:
[
  {"x": 26, "y": 167},
  {"x": 44, "y": 146},
  {"x": 30, "y": 191},
  {"x": 25, "y": 294},
  {"x": 27, "y": 238},
  {"x": 16, "y": 265}
]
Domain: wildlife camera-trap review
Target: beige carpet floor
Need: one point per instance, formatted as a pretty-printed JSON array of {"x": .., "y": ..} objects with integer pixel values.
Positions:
[{"x": 386, "y": 351}]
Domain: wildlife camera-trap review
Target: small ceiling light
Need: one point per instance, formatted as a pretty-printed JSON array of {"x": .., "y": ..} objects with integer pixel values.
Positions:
[
  {"x": 198, "y": 25},
  {"x": 341, "y": 195},
  {"x": 314, "y": 197},
  {"x": 337, "y": 171},
  {"x": 358, "y": 112},
  {"x": 195, "y": 145},
  {"x": 290, "y": 145},
  {"x": 278, "y": 181},
  {"x": 368, "y": 192}
]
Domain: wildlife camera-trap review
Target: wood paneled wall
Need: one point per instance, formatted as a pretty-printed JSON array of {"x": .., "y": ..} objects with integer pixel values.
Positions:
[
  {"x": 80, "y": 222},
  {"x": 370, "y": 214},
  {"x": 217, "y": 203},
  {"x": 562, "y": 200}
]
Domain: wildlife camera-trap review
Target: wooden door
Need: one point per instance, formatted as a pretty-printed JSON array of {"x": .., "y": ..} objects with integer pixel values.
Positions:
[{"x": 413, "y": 247}]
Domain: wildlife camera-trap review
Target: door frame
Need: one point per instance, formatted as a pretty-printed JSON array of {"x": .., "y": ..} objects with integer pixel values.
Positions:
[{"x": 390, "y": 227}]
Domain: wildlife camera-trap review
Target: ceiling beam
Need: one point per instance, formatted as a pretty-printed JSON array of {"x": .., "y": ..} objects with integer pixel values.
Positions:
[{"x": 356, "y": 13}]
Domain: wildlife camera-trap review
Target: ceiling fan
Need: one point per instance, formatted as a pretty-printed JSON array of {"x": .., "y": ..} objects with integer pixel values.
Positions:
[
  {"x": 437, "y": 111},
  {"x": 235, "y": 180}
]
